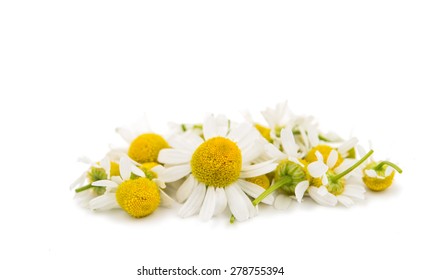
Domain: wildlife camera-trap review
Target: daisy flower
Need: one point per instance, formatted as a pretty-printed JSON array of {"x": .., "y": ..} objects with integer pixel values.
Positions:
[
  {"x": 133, "y": 191},
  {"x": 334, "y": 186},
  {"x": 143, "y": 145},
  {"x": 216, "y": 167}
]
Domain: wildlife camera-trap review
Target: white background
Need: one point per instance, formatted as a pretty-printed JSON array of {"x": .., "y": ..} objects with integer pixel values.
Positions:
[{"x": 72, "y": 71}]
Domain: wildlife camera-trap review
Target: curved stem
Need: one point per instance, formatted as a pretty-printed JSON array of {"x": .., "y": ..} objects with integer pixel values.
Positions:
[
  {"x": 282, "y": 181},
  {"x": 84, "y": 188},
  {"x": 391, "y": 164},
  {"x": 358, "y": 163}
]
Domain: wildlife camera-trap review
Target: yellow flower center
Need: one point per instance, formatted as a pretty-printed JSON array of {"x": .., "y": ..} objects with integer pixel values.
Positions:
[
  {"x": 139, "y": 197},
  {"x": 335, "y": 187},
  {"x": 217, "y": 162},
  {"x": 261, "y": 180},
  {"x": 325, "y": 151},
  {"x": 115, "y": 169},
  {"x": 146, "y": 147},
  {"x": 378, "y": 184},
  {"x": 264, "y": 131}
]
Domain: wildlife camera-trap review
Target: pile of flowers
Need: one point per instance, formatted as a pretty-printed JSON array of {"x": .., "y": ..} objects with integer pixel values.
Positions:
[{"x": 221, "y": 166}]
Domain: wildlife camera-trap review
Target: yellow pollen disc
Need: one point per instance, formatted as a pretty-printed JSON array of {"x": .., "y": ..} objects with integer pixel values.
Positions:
[
  {"x": 146, "y": 147},
  {"x": 378, "y": 184},
  {"x": 325, "y": 151},
  {"x": 264, "y": 131},
  {"x": 261, "y": 180},
  {"x": 217, "y": 162},
  {"x": 138, "y": 197},
  {"x": 115, "y": 169}
]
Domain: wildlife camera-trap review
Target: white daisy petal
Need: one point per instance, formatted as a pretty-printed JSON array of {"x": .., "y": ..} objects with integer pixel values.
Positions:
[
  {"x": 166, "y": 200},
  {"x": 86, "y": 160},
  {"x": 240, "y": 132},
  {"x": 354, "y": 193},
  {"x": 332, "y": 158},
  {"x": 116, "y": 179},
  {"x": 106, "y": 164},
  {"x": 370, "y": 173},
  {"x": 126, "y": 134},
  {"x": 105, "y": 183},
  {"x": 221, "y": 201},
  {"x": 251, "y": 153},
  {"x": 208, "y": 207},
  {"x": 325, "y": 180},
  {"x": 137, "y": 171},
  {"x": 194, "y": 202},
  {"x": 254, "y": 191},
  {"x": 188, "y": 142},
  {"x": 106, "y": 201},
  {"x": 319, "y": 156},
  {"x": 346, "y": 201},
  {"x": 300, "y": 189},
  {"x": 273, "y": 152},
  {"x": 174, "y": 156},
  {"x": 388, "y": 171},
  {"x": 186, "y": 189},
  {"x": 125, "y": 168},
  {"x": 236, "y": 203},
  {"x": 313, "y": 135},
  {"x": 258, "y": 169},
  {"x": 317, "y": 169},
  {"x": 288, "y": 142},
  {"x": 282, "y": 202},
  {"x": 160, "y": 183},
  {"x": 79, "y": 181},
  {"x": 174, "y": 173},
  {"x": 348, "y": 145},
  {"x": 209, "y": 128},
  {"x": 327, "y": 199}
]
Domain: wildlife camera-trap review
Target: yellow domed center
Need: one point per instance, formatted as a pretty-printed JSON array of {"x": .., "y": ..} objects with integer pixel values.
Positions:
[
  {"x": 325, "y": 151},
  {"x": 138, "y": 197},
  {"x": 217, "y": 162},
  {"x": 264, "y": 131},
  {"x": 115, "y": 169},
  {"x": 146, "y": 147},
  {"x": 375, "y": 183}
]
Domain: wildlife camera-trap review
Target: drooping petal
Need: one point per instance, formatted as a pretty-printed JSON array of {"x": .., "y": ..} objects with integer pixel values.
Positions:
[
  {"x": 236, "y": 203},
  {"x": 186, "y": 189},
  {"x": 79, "y": 181},
  {"x": 221, "y": 201},
  {"x": 254, "y": 191},
  {"x": 194, "y": 202},
  {"x": 105, "y": 183},
  {"x": 174, "y": 156},
  {"x": 258, "y": 169},
  {"x": 300, "y": 189},
  {"x": 370, "y": 173},
  {"x": 317, "y": 169},
  {"x": 346, "y": 201},
  {"x": 327, "y": 199},
  {"x": 288, "y": 142},
  {"x": 332, "y": 158},
  {"x": 282, "y": 202},
  {"x": 106, "y": 201},
  {"x": 137, "y": 171},
  {"x": 348, "y": 145},
  {"x": 125, "y": 168},
  {"x": 208, "y": 207},
  {"x": 174, "y": 173}
]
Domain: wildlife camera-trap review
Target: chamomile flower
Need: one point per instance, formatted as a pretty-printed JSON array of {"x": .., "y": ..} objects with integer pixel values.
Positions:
[
  {"x": 133, "y": 191},
  {"x": 144, "y": 145},
  {"x": 216, "y": 167},
  {"x": 334, "y": 186},
  {"x": 378, "y": 176}
]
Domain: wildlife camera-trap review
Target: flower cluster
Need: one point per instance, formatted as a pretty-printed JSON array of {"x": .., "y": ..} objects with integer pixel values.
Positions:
[{"x": 222, "y": 166}]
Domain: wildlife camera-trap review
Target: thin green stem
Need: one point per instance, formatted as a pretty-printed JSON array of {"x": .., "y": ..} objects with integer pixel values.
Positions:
[
  {"x": 84, "y": 188},
  {"x": 232, "y": 219},
  {"x": 358, "y": 163},
  {"x": 282, "y": 181},
  {"x": 391, "y": 164}
]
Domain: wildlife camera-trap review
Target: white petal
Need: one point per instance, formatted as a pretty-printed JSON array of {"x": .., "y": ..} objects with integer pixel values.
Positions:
[
  {"x": 105, "y": 183},
  {"x": 208, "y": 206},
  {"x": 322, "y": 190},
  {"x": 355, "y": 187},
  {"x": 209, "y": 128},
  {"x": 254, "y": 191},
  {"x": 166, "y": 200},
  {"x": 126, "y": 134},
  {"x": 116, "y": 179},
  {"x": 188, "y": 142},
  {"x": 236, "y": 203},
  {"x": 354, "y": 193},
  {"x": 137, "y": 171},
  {"x": 240, "y": 132},
  {"x": 332, "y": 158},
  {"x": 174, "y": 156},
  {"x": 258, "y": 169},
  {"x": 252, "y": 152},
  {"x": 186, "y": 189},
  {"x": 300, "y": 189},
  {"x": 86, "y": 160},
  {"x": 106, "y": 164},
  {"x": 288, "y": 142},
  {"x": 346, "y": 201},
  {"x": 160, "y": 183},
  {"x": 388, "y": 171},
  {"x": 327, "y": 200},
  {"x": 319, "y": 156},
  {"x": 348, "y": 145},
  {"x": 106, "y": 201},
  {"x": 282, "y": 202},
  {"x": 174, "y": 173},
  {"x": 274, "y": 152},
  {"x": 125, "y": 168},
  {"x": 313, "y": 135},
  {"x": 221, "y": 201},
  {"x": 325, "y": 180},
  {"x": 79, "y": 181},
  {"x": 370, "y": 173},
  {"x": 194, "y": 202},
  {"x": 317, "y": 169}
]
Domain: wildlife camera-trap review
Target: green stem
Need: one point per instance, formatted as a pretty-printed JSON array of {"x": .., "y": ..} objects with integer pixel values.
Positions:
[
  {"x": 358, "y": 163},
  {"x": 84, "y": 188},
  {"x": 183, "y": 127},
  {"x": 282, "y": 181},
  {"x": 232, "y": 219},
  {"x": 391, "y": 164}
]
